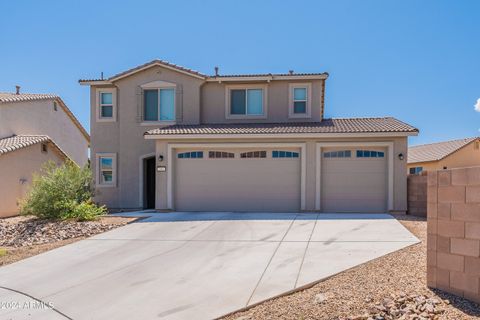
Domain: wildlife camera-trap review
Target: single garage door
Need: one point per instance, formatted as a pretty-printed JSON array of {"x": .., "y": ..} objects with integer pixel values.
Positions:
[
  {"x": 354, "y": 180},
  {"x": 237, "y": 180}
]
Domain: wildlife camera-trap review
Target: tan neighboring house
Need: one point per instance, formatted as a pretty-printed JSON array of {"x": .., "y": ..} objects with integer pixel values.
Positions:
[
  {"x": 34, "y": 128},
  {"x": 170, "y": 138},
  {"x": 444, "y": 155},
  {"x": 20, "y": 157}
]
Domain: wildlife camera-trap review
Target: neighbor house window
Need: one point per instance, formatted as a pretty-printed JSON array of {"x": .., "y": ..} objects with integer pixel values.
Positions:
[
  {"x": 159, "y": 104},
  {"x": 246, "y": 102},
  {"x": 300, "y": 103},
  {"x": 416, "y": 170},
  {"x": 370, "y": 154},
  {"x": 106, "y": 169},
  {"x": 284, "y": 154},
  {"x": 106, "y": 105}
]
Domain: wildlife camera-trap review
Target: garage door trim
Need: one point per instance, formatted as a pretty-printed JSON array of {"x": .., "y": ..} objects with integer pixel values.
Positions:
[
  {"x": 171, "y": 162},
  {"x": 320, "y": 145}
]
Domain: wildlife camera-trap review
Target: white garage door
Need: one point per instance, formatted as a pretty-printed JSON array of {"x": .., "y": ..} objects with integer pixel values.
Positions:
[
  {"x": 354, "y": 180},
  {"x": 237, "y": 180}
]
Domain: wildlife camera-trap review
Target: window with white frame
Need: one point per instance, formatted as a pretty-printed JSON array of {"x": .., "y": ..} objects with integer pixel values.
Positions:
[
  {"x": 159, "y": 104},
  {"x": 106, "y": 169},
  {"x": 106, "y": 104},
  {"x": 245, "y": 102},
  {"x": 300, "y": 104}
]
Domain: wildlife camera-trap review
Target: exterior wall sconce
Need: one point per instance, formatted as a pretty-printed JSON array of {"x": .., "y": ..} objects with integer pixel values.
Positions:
[
  {"x": 400, "y": 156},
  {"x": 160, "y": 158}
]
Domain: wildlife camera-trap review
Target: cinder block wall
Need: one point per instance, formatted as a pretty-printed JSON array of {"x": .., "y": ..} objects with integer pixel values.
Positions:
[
  {"x": 453, "y": 224},
  {"x": 417, "y": 194}
]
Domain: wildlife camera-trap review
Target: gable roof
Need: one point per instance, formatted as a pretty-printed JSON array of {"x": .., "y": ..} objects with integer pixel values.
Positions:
[
  {"x": 348, "y": 125},
  {"x": 233, "y": 77},
  {"x": 14, "y": 143},
  {"x": 436, "y": 151},
  {"x": 8, "y": 97}
]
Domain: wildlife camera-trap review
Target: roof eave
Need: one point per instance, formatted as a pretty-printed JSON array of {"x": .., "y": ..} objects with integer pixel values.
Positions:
[
  {"x": 150, "y": 136},
  {"x": 266, "y": 78},
  {"x": 94, "y": 82}
]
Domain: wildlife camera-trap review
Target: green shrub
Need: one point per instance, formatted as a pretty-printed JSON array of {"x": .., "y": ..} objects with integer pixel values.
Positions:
[{"x": 62, "y": 192}]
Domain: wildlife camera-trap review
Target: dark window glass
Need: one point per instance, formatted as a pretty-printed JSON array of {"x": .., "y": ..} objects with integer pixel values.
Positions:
[
  {"x": 107, "y": 111},
  {"x": 238, "y": 102},
  {"x": 412, "y": 170},
  {"x": 150, "y": 105},
  {"x": 300, "y": 107},
  {"x": 380, "y": 154}
]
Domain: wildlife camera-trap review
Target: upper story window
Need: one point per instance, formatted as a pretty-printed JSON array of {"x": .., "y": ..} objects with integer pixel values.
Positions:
[
  {"x": 159, "y": 104},
  {"x": 106, "y": 105},
  {"x": 55, "y": 108},
  {"x": 246, "y": 102},
  {"x": 300, "y": 100}
]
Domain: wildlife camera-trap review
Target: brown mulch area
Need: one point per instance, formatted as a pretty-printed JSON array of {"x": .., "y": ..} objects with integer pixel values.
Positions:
[
  {"x": 22, "y": 237},
  {"x": 390, "y": 287}
]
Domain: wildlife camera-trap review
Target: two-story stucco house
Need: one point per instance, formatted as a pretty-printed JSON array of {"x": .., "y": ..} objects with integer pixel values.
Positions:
[
  {"x": 34, "y": 129},
  {"x": 171, "y": 138}
]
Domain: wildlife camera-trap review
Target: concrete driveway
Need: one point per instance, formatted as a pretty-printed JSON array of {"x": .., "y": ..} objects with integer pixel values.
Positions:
[{"x": 193, "y": 265}]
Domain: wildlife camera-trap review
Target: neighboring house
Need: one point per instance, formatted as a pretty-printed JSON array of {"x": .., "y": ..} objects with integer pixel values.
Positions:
[
  {"x": 171, "y": 138},
  {"x": 20, "y": 157},
  {"x": 44, "y": 114},
  {"x": 444, "y": 155}
]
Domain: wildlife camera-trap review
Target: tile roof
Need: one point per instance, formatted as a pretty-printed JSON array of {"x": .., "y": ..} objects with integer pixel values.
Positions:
[
  {"x": 436, "y": 151},
  {"x": 349, "y": 125},
  {"x": 13, "y": 143},
  {"x": 196, "y": 73},
  {"x": 8, "y": 97}
]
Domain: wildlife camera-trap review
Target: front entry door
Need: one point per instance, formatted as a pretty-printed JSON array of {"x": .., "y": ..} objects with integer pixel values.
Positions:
[{"x": 149, "y": 183}]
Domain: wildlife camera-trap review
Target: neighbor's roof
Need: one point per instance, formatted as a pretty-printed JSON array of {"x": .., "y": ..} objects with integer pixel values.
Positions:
[
  {"x": 436, "y": 151},
  {"x": 349, "y": 125},
  {"x": 8, "y": 97},
  {"x": 13, "y": 143},
  {"x": 166, "y": 64}
]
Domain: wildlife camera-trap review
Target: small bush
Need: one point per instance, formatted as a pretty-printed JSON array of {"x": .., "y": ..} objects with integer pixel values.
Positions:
[{"x": 62, "y": 192}]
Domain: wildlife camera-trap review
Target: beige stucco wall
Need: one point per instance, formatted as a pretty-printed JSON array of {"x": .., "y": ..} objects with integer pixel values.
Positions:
[
  {"x": 39, "y": 117},
  {"x": 467, "y": 156},
  {"x": 400, "y": 176},
  {"x": 214, "y": 98},
  {"x": 17, "y": 165}
]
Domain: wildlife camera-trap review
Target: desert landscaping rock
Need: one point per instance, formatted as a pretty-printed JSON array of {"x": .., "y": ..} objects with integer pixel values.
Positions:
[{"x": 27, "y": 231}]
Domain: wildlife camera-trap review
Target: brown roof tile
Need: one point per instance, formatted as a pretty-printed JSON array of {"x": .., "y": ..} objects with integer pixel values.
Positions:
[
  {"x": 436, "y": 151},
  {"x": 8, "y": 97},
  {"x": 13, "y": 143},
  {"x": 349, "y": 125}
]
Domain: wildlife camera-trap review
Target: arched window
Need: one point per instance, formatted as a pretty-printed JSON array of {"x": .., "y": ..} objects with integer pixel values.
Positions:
[
  {"x": 220, "y": 155},
  {"x": 284, "y": 154},
  {"x": 190, "y": 155},
  {"x": 338, "y": 154},
  {"x": 370, "y": 154},
  {"x": 254, "y": 154}
]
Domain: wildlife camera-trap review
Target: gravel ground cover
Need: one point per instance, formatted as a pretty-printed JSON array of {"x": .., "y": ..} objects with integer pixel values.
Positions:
[
  {"x": 390, "y": 287},
  {"x": 22, "y": 237}
]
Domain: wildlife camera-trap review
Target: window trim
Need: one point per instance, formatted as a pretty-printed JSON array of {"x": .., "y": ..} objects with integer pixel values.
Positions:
[
  {"x": 158, "y": 85},
  {"x": 291, "y": 88},
  {"x": 228, "y": 90},
  {"x": 98, "y": 182},
  {"x": 98, "y": 93}
]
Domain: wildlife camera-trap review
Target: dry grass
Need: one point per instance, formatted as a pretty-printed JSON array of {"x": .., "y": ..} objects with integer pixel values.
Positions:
[{"x": 355, "y": 291}]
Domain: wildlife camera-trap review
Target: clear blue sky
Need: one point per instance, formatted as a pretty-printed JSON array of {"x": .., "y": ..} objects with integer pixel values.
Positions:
[{"x": 415, "y": 60}]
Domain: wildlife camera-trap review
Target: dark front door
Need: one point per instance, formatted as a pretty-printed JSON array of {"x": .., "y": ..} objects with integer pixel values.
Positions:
[{"x": 149, "y": 183}]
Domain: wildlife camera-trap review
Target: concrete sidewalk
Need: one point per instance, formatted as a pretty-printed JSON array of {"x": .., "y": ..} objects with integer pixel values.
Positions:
[{"x": 195, "y": 265}]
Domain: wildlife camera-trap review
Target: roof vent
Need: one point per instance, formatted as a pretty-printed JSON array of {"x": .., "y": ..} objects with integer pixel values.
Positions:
[
  {"x": 216, "y": 71},
  {"x": 17, "y": 89},
  {"x": 290, "y": 71}
]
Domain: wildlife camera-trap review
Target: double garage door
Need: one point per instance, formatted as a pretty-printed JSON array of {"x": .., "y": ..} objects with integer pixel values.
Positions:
[{"x": 352, "y": 180}]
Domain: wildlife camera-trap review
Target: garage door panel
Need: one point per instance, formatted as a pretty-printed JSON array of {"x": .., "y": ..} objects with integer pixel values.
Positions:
[
  {"x": 353, "y": 184},
  {"x": 237, "y": 184}
]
